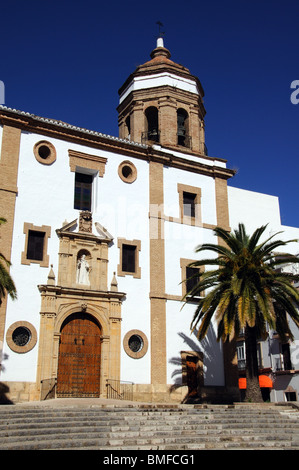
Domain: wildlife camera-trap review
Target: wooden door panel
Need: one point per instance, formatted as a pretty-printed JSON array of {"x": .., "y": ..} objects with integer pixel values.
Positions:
[
  {"x": 191, "y": 368},
  {"x": 79, "y": 357}
]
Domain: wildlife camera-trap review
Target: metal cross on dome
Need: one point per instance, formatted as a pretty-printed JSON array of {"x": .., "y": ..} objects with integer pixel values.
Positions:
[{"x": 161, "y": 33}]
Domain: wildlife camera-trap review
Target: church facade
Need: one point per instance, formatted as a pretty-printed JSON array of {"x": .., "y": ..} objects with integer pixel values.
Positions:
[{"x": 100, "y": 231}]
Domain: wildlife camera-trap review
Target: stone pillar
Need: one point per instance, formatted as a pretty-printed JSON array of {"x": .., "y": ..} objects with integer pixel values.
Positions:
[
  {"x": 105, "y": 340},
  {"x": 157, "y": 277},
  {"x": 137, "y": 122},
  {"x": 194, "y": 130},
  {"x": 168, "y": 121},
  {"x": 9, "y": 162},
  {"x": 115, "y": 335}
]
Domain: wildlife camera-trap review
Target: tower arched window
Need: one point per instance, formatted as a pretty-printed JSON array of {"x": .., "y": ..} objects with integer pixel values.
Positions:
[
  {"x": 152, "y": 124},
  {"x": 128, "y": 127},
  {"x": 183, "y": 128}
]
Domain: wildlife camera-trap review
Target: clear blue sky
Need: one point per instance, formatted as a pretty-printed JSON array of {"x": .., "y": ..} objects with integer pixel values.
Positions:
[{"x": 66, "y": 60}]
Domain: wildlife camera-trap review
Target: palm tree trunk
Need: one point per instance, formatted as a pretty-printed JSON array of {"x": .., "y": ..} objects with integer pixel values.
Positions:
[{"x": 253, "y": 391}]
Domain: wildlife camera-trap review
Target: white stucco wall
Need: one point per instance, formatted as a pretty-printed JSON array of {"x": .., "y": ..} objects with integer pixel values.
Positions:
[
  {"x": 45, "y": 197},
  {"x": 253, "y": 209},
  {"x": 181, "y": 241},
  {"x": 157, "y": 80}
]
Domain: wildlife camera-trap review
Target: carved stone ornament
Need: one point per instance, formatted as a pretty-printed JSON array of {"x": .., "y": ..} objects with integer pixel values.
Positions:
[{"x": 85, "y": 222}]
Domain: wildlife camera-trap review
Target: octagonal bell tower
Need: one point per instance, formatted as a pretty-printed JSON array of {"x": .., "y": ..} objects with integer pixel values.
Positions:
[{"x": 162, "y": 103}]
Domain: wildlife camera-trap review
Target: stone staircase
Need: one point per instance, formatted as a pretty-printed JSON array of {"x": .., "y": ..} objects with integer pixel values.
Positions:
[{"x": 149, "y": 427}]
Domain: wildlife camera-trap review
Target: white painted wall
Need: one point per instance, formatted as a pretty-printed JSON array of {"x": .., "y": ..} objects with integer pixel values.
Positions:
[
  {"x": 253, "y": 209},
  {"x": 45, "y": 197},
  {"x": 180, "y": 242},
  {"x": 157, "y": 80}
]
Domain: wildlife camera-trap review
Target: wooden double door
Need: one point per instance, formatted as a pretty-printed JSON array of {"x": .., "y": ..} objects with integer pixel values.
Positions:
[{"x": 79, "y": 360}]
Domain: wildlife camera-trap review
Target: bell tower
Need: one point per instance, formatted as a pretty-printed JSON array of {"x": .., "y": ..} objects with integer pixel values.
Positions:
[{"x": 162, "y": 103}]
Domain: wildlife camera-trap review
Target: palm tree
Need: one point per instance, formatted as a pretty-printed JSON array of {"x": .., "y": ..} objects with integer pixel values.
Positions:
[
  {"x": 6, "y": 282},
  {"x": 245, "y": 290}
]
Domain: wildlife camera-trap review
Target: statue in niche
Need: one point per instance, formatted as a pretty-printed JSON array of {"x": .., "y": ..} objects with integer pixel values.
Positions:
[{"x": 83, "y": 271}]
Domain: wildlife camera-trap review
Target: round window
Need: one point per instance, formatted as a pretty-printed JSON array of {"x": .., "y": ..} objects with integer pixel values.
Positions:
[
  {"x": 127, "y": 171},
  {"x": 21, "y": 336},
  {"x": 44, "y": 152},
  {"x": 135, "y": 344}
]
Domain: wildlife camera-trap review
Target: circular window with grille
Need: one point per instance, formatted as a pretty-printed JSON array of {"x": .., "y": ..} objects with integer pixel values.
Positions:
[
  {"x": 44, "y": 152},
  {"x": 21, "y": 337},
  {"x": 135, "y": 344}
]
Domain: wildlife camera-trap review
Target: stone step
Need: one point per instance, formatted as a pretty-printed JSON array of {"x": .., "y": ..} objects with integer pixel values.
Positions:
[
  {"x": 110, "y": 433},
  {"x": 146, "y": 425},
  {"x": 141, "y": 413},
  {"x": 153, "y": 428},
  {"x": 80, "y": 441}
]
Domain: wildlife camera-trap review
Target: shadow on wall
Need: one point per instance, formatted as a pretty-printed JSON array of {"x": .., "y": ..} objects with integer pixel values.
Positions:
[
  {"x": 212, "y": 352},
  {"x": 4, "y": 389}
]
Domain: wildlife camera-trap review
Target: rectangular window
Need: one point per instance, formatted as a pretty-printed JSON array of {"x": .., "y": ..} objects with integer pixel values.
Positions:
[
  {"x": 192, "y": 277},
  {"x": 35, "y": 246},
  {"x": 189, "y": 204},
  {"x": 129, "y": 258},
  {"x": 83, "y": 191},
  {"x": 286, "y": 355},
  {"x": 241, "y": 355}
]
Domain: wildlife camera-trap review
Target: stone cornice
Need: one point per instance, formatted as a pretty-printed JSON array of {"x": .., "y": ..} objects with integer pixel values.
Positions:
[
  {"x": 80, "y": 293},
  {"x": 93, "y": 139}
]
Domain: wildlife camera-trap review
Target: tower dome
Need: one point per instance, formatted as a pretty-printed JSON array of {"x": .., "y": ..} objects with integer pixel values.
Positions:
[{"x": 162, "y": 102}]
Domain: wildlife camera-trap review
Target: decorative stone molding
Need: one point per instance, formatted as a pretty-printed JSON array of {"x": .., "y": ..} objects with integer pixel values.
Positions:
[
  {"x": 68, "y": 297},
  {"x": 85, "y": 222},
  {"x": 85, "y": 160}
]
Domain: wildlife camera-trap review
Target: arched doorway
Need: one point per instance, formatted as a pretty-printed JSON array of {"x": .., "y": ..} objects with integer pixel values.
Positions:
[{"x": 79, "y": 359}]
